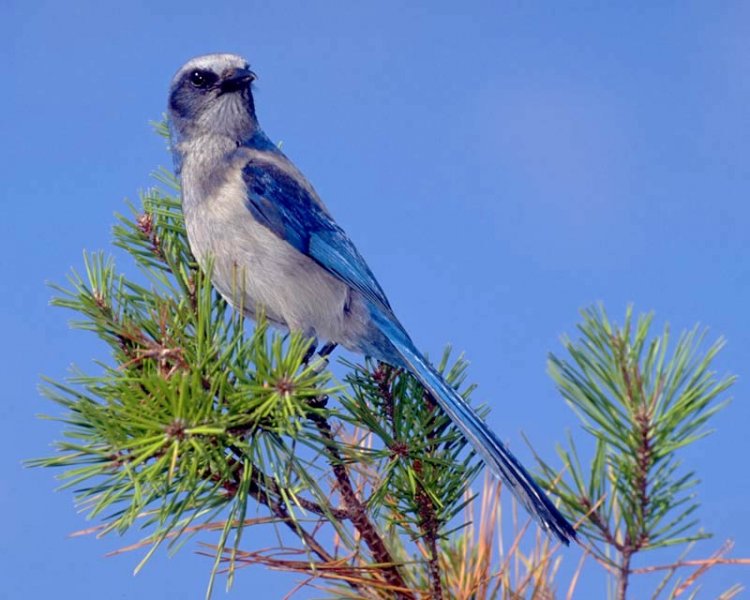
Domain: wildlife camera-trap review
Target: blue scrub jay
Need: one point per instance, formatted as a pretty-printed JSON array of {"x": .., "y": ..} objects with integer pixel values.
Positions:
[{"x": 274, "y": 245}]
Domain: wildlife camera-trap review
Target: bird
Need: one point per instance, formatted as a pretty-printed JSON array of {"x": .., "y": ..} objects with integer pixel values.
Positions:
[{"x": 272, "y": 245}]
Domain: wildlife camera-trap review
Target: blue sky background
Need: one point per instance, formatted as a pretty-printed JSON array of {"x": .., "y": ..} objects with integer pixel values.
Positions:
[{"x": 500, "y": 164}]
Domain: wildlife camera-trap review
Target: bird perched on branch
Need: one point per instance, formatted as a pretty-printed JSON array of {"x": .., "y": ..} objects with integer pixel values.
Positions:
[{"x": 273, "y": 244}]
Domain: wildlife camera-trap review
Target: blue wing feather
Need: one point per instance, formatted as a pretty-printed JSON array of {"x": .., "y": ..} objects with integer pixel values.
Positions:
[{"x": 278, "y": 200}]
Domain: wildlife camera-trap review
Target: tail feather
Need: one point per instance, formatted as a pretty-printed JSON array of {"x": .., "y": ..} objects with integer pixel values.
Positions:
[{"x": 496, "y": 456}]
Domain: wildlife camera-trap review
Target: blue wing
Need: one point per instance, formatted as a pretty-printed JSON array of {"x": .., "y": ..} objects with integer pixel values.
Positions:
[{"x": 286, "y": 205}]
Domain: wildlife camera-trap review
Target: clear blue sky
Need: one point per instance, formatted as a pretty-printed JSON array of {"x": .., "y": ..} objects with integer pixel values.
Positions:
[{"x": 500, "y": 164}]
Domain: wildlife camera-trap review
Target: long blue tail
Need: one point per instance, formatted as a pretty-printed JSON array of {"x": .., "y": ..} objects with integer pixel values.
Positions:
[{"x": 496, "y": 456}]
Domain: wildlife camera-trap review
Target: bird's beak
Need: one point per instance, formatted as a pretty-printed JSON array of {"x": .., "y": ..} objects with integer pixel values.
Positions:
[{"x": 237, "y": 79}]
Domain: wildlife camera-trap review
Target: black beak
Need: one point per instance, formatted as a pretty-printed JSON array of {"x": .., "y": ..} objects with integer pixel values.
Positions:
[{"x": 235, "y": 80}]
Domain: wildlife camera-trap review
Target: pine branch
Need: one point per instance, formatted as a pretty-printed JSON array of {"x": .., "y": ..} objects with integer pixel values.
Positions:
[
  {"x": 356, "y": 512},
  {"x": 642, "y": 404},
  {"x": 193, "y": 416}
]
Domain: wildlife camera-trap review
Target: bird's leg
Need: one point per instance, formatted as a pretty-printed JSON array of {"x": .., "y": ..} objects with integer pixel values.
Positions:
[
  {"x": 310, "y": 351},
  {"x": 327, "y": 349},
  {"x": 324, "y": 352}
]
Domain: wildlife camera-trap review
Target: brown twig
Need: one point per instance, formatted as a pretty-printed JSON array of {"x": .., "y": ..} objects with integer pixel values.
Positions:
[
  {"x": 257, "y": 490},
  {"x": 623, "y": 573},
  {"x": 262, "y": 480},
  {"x": 339, "y": 569},
  {"x": 692, "y": 563},
  {"x": 429, "y": 525},
  {"x": 596, "y": 519},
  {"x": 642, "y": 412},
  {"x": 357, "y": 513}
]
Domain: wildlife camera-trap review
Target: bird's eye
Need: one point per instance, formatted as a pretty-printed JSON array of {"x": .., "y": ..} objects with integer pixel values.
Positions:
[{"x": 202, "y": 79}]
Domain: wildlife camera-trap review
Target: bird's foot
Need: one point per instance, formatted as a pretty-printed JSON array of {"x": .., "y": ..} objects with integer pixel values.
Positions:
[{"x": 323, "y": 355}]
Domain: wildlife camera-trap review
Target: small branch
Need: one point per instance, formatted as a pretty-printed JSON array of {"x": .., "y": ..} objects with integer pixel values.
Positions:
[
  {"x": 356, "y": 510},
  {"x": 329, "y": 511},
  {"x": 264, "y": 480},
  {"x": 340, "y": 570},
  {"x": 642, "y": 417},
  {"x": 279, "y": 510},
  {"x": 428, "y": 523},
  {"x": 383, "y": 376},
  {"x": 644, "y": 462},
  {"x": 701, "y": 566},
  {"x": 429, "y": 526},
  {"x": 623, "y": 575},
  {"x": 693, "y": 563},
  {"x": 600, "y": 524},
  {"x": 434, "y": 563}
]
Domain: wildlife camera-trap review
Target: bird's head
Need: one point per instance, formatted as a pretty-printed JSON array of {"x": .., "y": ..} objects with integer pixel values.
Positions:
[{"x": 211, "y": 95}]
